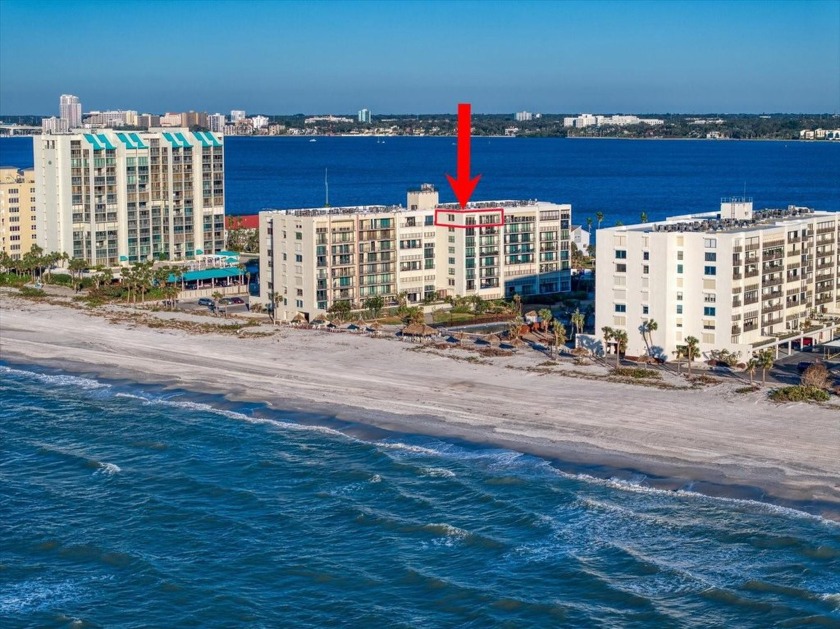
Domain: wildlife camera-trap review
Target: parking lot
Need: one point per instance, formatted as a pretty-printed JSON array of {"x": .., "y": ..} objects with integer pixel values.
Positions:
[{"x": 227, "y": 305}]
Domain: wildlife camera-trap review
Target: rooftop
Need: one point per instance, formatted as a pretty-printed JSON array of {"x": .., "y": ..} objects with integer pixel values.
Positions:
[
  {"x": 393, "y": 209},
  {"x": 711, "y": 222}
]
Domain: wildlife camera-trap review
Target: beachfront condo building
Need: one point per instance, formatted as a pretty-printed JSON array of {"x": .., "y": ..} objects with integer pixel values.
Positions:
[
  {"x": 17, "y": 211},
  {"x": 114, "y": 197},
  {"x": 737, "y": 279},
  {"x": 313, "y": 258}
]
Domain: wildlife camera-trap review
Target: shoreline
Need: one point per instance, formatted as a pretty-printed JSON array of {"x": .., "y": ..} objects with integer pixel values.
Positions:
[{"x": 519, "y": 410}]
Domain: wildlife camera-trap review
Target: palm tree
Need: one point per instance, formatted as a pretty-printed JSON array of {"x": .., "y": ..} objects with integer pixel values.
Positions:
[
  {"x": 76, "y": 266},
  {"x": 589, "y": 224},
  {"x": 559, "y": 335},
  {"x": 765, "y": 361},
  {"x": 752, "y": 365},
  {"x": 599, "y": 216},
  {"x": 217, "y": 295},
  {"x": 578, "y": 320},
  {"x": 644, "y": 217},
  {"x": 545, "y": 318},
  {"x": 692, "y": 350},
  {"x": 274, "y": 299},
  {"x": 647, "y": 329},
  {"x": 621, "y": 339},
  {"x": 609, "y": 335}
]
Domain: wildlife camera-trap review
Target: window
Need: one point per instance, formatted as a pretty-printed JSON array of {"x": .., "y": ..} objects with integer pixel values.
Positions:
[
  {"x": 679, "y": 309},
  {"x": 645, "y": 309},
  {"x": 621, "y": 254},
  {"x": 645, "y": 269},
  {"x": 621, "y": 307},
  {"x": 620, "y": 268},
  {"x": 679, "y": 255},
  {"x": 298, "y": 235},
  {"x": 711, "y": 256},
  {"x": 646, "y": 255},
  {"x": 709, "y": 270},
  {"x": 298, "y": 258},
  {"x": 679, "y": 268},
  {"x": 708, "y": 311},
  {"x": 710, "y": 243},
  {"x": 679, "y": 296}
]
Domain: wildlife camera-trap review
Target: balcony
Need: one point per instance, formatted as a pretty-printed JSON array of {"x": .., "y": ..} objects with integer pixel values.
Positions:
[{"x": 773, "y": 282}]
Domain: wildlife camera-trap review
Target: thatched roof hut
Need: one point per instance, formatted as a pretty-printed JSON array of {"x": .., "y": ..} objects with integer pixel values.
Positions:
[
  {"x": 418, "y": 329},
  {"x": 299, "y": 318}
]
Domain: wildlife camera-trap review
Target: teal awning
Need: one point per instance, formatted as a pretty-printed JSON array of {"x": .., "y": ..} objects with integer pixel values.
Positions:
[
  {"x": 94, "y": 142},
  {"x": 184, "y": 142},
  {"x": 104, "y": 139},
  {"x": 131, "y": 141},
  {"x": 138, "y": 141},
  {"x": 208, "y": 274},
  {"x": 171, "y": 139}
]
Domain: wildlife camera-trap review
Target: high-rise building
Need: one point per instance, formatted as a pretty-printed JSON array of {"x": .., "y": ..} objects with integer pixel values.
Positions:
[
  {"x": 118, "y": 197},
  {"x": 259, "y": 122},
  {"x": 148, "y": 121},
  {"x": 17, "y": 211},
  {"x": 736, "y": 279},
  {"x": 54, "y": 125},
  {"x": 216, "y": 123},
  {"x": 107, "y": 119},
  {"x": 190, "y": 119},
  {"x": 70, "y": 109},
  {"x": 316, "y": 257},
  {"x": 364, "y": 116},
  {"x": 237, "y": 115},
  {"x": 170, "y": 119},
  {"x": 523, "y": 116}
]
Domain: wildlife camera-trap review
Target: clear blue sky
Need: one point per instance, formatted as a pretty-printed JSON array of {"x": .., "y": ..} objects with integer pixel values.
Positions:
[{"x": 421, "y": 57}]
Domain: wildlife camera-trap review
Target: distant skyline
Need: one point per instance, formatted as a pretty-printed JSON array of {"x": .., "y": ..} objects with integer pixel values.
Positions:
[{"x": 421, "y": 57}]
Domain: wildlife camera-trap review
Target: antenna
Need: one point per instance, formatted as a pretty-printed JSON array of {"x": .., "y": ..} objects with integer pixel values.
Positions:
[{"x": 326, "y": 188}]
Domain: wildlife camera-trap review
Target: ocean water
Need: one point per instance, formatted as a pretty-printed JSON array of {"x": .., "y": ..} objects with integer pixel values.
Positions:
[
  {"x": 129, "y": 506},
  {"x": 620, "y": 178}
]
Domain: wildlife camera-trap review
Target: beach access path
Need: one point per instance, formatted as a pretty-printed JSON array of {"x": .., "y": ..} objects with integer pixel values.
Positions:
[{"x": 712, "y": 436}]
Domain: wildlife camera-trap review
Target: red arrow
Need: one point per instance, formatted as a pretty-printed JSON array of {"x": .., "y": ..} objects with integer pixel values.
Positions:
[{"x": 463, "y": 186}]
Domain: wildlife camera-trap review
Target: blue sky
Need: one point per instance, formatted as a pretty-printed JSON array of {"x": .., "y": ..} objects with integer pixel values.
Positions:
[{"x": 421, "y": 57}]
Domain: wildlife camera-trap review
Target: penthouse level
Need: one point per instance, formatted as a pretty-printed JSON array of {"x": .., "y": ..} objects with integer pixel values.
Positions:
[
  {"x": 734, "y": 279},
  {"x": 314, "y": 257}
]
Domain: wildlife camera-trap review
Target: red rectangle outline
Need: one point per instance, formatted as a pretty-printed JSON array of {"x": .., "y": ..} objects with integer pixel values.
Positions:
[{"x": 470, "y": 211}]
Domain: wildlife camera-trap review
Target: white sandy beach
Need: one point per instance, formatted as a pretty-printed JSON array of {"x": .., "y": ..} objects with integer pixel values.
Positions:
[{"x": 792, "y": 452}]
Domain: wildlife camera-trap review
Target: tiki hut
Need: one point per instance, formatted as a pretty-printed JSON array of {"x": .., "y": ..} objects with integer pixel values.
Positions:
[
  {"x": 418, "y": 329},
  {"x": 494, "y": 339},
  {"x": 299, "y": 318}
]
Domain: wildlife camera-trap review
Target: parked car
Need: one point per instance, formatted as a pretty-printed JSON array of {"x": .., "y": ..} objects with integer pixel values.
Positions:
[
  {"x": 237, "y": 300},
  {"x": 205, "y": 301}
]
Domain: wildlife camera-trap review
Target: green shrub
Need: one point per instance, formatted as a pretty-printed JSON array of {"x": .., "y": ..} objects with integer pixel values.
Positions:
[
  {"x": 28, "y": 291},
  {"x": 12, "y": 279},
  {"x": 799, "y": 393},
  {"x": 749, "y": 389},
  {"x": 635, "y": 372}
]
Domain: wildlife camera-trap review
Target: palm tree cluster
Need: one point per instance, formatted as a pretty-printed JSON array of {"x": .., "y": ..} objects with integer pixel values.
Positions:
[
  {"x": 620, "y": 338},
  {"x": 32, "y": 263}
]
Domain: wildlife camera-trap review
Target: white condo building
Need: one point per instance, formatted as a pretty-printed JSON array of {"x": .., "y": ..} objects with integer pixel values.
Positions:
[
  {"x": 114, "y": 198},
  {"x": 315, "y": 257},
  {"x": 216, "y": 123},
  {"x": 737, "y": 279},
  {"x": 70, "y": 109},
  {"x": 237, "y": 115}
]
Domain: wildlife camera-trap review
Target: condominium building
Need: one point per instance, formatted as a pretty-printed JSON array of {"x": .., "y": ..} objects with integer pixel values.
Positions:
[
  {"x": 114, "y": 198},
  {"x": 237, "y": 115},
  {"x": 364, "y": 116},
  {"x": 315, "y": 257},
  {"x": 17, "y": 211},
  {"x": 736, "y": 279},
  {"x": 70, "y": 109},
  {"x": 523, "y": 116},
  {"x": 216, "y": 123}
]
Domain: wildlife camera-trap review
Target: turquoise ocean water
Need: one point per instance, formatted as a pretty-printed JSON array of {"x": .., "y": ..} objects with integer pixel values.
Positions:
[{"x": 128, "y": 506}]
